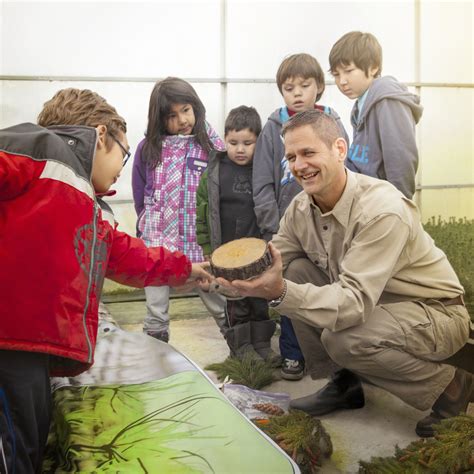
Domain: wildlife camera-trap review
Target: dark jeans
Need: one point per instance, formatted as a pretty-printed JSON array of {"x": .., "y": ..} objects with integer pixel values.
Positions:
[
  {"x": 245, "y": 310},
  {"x": 25, "y": 410},
  {"x": 289, "y": 346}
]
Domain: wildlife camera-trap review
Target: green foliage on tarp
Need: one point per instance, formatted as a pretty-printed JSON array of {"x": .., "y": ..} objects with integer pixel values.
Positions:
[
  {"x": 450, "y": 452},
  {"x": 180, "y": 424},
  {"x": 456, "y": 238}
]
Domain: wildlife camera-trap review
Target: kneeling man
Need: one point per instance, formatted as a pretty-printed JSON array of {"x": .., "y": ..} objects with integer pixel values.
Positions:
[{"x": 362, "y": 278}]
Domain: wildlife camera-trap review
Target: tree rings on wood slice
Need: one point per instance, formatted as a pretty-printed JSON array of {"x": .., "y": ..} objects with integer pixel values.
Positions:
[{"x": 241, "y": 259}]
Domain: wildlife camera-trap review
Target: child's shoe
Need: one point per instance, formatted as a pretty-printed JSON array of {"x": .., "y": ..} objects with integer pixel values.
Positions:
[
  {"x": 261, "y": 333},
  {"x": 239, "y": 342},
  {"x": 292, "y": 369}
]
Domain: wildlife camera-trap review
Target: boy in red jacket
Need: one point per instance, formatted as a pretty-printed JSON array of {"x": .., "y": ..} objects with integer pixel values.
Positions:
[{"x": 58, "y": 240}]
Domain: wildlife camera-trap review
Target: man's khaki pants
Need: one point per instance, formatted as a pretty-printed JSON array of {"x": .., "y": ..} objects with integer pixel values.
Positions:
[{"x": 399, "y": 348}]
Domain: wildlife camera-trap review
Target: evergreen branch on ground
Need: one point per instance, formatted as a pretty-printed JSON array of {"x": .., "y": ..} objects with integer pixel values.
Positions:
[
  {"x": 249, "y": 372},
  {"x": 301, "y": 436},
  {"x": 451, "y": 451}
]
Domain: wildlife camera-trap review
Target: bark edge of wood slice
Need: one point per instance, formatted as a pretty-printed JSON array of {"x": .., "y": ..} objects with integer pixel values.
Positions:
[{"x": 241, "y": 259}]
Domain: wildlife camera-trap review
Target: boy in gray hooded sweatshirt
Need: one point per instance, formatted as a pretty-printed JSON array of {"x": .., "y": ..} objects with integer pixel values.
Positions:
[
  {"x": 383, "y": 117},
  {"x": 300, "y": 80}
]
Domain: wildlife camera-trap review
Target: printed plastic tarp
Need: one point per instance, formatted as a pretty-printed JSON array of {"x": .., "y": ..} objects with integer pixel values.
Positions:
[{"x": 145, "y": 407}]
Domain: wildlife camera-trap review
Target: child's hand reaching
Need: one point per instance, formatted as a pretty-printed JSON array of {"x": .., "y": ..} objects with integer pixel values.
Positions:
[
  {"x": 202, "y": 276},
  {"x": 199, "y": 271},
  {"x": 198, "y": 277}
]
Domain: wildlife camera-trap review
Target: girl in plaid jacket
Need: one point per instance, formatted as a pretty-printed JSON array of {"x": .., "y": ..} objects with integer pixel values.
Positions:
[{"x": 167, "y": 168}]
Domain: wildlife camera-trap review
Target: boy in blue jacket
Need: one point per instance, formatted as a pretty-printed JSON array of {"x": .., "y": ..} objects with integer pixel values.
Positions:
[{"x": 383, "y": 117}]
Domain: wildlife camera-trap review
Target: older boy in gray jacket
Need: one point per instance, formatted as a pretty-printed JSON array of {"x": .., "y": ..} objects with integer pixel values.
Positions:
[{"x": 383, "y": 117}]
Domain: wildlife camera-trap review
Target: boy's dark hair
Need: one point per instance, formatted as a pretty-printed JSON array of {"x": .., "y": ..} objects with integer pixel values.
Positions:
[
  {"x": 243, "y": 117},
  {"x": 303, "y": 65},
  {"x": 359, "y": 48},
  {"x": 166, "y": 93},
  {"x": 81, "y": 107},
  {"x": 324, "y": 126}
]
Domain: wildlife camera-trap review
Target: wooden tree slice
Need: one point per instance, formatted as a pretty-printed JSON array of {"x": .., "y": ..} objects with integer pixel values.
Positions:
[{"x": 241, "y": 259}]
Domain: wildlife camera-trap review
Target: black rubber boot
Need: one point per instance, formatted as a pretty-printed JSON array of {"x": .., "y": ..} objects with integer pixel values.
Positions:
[
  {"x": 261, "y": 336},
  {"x": 239, "y": 342}
]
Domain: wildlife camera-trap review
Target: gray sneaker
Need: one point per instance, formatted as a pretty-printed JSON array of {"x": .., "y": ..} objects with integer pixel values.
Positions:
[{"x": 292, "y": 369}]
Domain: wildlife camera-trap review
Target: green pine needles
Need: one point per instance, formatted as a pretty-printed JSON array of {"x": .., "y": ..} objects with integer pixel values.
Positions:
[
  {"x": 451, "y": 451},
  {"x": 250, "y": 372},
  {"x": 456, "y": 238},
  {"x": 302, "y": 436}
]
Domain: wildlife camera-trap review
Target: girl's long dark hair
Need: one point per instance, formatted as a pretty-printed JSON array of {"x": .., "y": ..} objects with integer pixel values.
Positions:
[{"x": 167, "y": 92}]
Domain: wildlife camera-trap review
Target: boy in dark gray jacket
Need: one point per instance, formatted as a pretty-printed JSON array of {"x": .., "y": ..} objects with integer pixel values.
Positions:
[
  {"x": 383, "y": 117},
  {"x": 225, "y": 212},
  {"x": 300, "y": 80}
]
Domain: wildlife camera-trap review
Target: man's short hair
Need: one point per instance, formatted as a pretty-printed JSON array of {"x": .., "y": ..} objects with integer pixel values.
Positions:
[
  {"x": 81, "y": 107},
  {"x": 303, "y": 65},
  {"x": 243, "y": 117},
  {"x": 359, "y": 48},
  {"x": 324, "y": 126}
]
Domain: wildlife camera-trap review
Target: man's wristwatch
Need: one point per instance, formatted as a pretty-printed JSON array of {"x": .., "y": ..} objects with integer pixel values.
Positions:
[{"x": 277, "y": 301}]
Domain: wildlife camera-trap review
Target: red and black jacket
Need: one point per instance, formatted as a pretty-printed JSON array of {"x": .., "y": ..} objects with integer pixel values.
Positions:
[{"x": 58, "y": 241}]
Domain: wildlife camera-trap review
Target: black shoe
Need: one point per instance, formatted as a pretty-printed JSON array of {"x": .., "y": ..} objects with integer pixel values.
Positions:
[
  {"x": 425, "y": 427},
  {"x": 343, "y": 391},
  {"x": 292, "y": 369},
  {"x": 160, "y": 335},
  {"x": 447, "y": 406}
]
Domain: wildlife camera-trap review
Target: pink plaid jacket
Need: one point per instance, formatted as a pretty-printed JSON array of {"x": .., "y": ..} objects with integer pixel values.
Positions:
[{"x": 168, "y": 217}]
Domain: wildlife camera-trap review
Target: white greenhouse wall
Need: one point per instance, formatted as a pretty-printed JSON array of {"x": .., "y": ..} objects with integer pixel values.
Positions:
[{"x": 230, "y": 51}]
